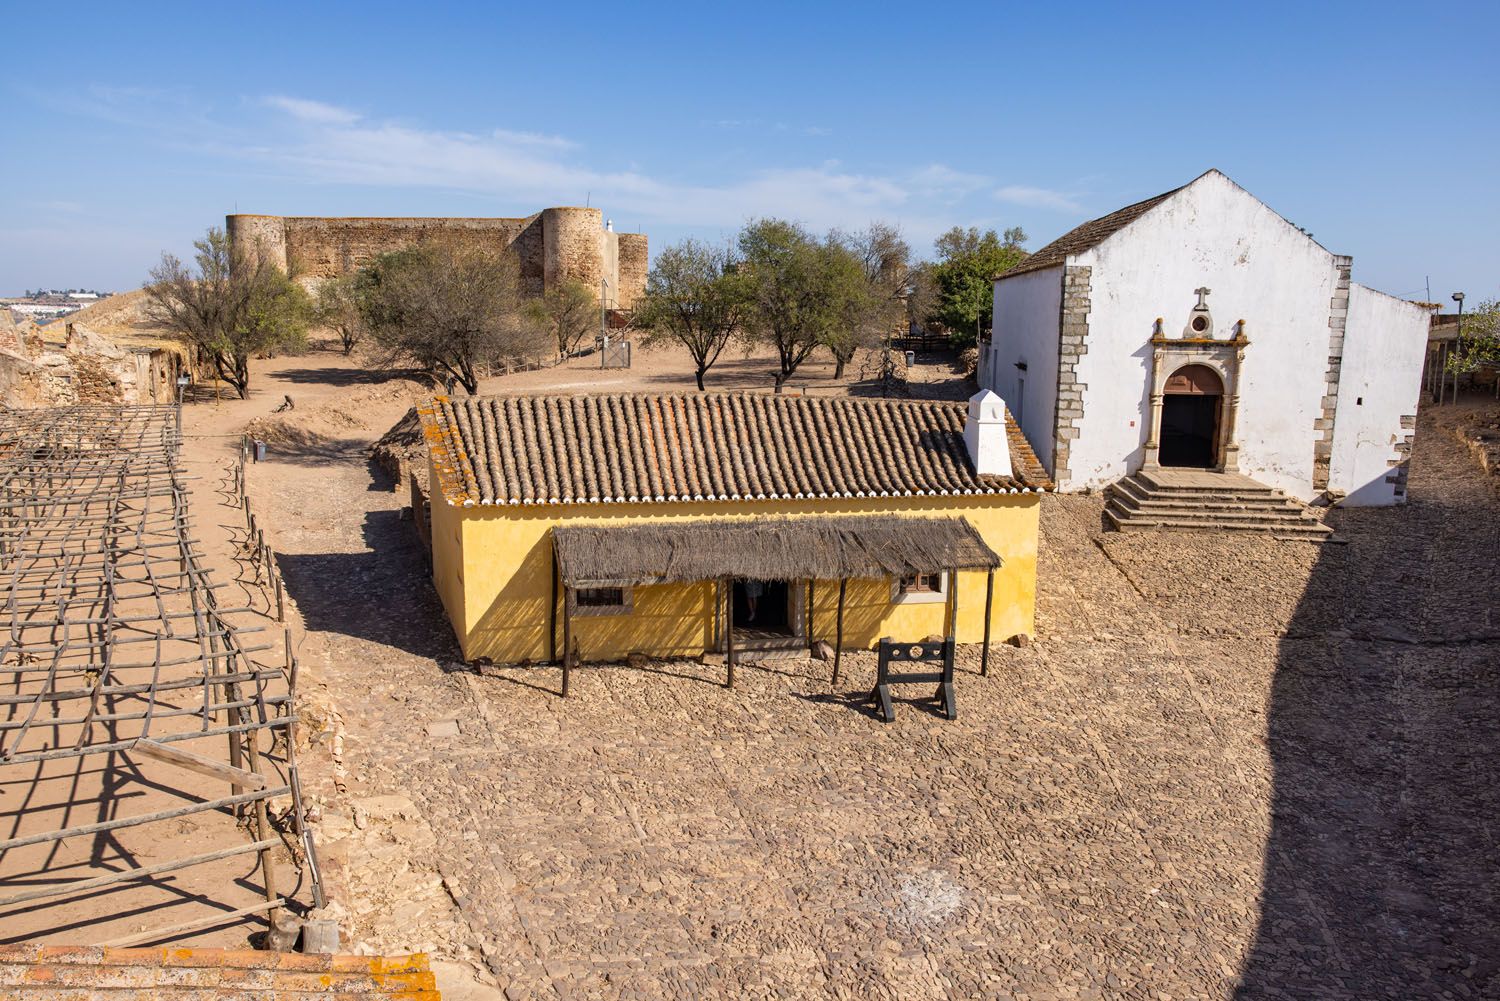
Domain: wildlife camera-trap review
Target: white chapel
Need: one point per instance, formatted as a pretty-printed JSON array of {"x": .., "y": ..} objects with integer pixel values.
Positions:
[{"x": 1200, "y": 329}]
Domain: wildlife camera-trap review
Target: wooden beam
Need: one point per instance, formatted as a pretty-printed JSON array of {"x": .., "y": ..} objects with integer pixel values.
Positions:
[
  {"x": 202, "y": 764},
  {"x": 729, "y": 630},
  {"x": 552, "y": 609},
  {"x": 218, "y": 917},
  {"x": 989, "y": 600},
  {"x": 838, "y": 633},
  {"x": 951, "y": 605},
  {"x": 812, "y": 603},
  {"x": 567, "y": 658}
]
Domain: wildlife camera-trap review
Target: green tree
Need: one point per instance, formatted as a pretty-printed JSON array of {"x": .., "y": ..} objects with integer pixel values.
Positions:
[
  {"x": 1479, "y": 339},
  {"x": 963, "y": 277},
  {"x": 449, "y": 309},
  {"x": 798, "y": 289},
  {"x": 696, "y": 297},
  {"x": 871, "y": 278},
  {"x": 568, "y": 312},
  {"x": 338, "y": 309},
  {"x": 231, "y": 307}
]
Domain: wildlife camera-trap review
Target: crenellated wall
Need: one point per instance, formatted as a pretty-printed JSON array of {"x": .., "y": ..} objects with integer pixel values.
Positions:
[{"x": 553, "y": 245}]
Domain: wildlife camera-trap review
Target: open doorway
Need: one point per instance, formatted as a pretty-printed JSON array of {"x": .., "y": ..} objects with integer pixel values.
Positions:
[
  {"x": 763, "y": 613},
  {"x": 1192, "y": 406}
]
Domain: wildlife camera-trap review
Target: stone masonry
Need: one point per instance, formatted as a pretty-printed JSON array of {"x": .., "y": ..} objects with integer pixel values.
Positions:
[
  {"x": 554, "y": 245},
  {"x": 1073, "y": 346},
  {"x": 1338, "y": 316}
]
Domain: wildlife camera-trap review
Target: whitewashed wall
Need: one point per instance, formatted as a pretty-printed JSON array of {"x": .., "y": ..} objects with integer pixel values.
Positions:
[
  {"x": 1028, "y": 309},
  {"x": 1384, "y": 346},
  {"x": 1262, "y": 270}
]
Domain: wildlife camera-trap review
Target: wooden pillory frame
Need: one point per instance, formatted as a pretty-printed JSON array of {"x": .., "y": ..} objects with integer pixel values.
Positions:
[{"x": 119, "y": 658}]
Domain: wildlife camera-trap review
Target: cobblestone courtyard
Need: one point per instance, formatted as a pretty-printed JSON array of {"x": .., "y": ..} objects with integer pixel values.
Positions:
[{"x": 1226, "y": 765}]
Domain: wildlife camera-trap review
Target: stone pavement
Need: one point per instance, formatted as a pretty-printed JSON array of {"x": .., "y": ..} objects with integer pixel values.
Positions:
[{"x": 1227, "y": 766}]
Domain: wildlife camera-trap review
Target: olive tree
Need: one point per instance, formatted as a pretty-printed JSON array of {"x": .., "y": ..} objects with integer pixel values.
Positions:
[
  {"x": 696, "y": 297},
  {"x": 228, "y": 307},
  {"x": 797, "y": 286},
  {"x": 568, "y": 312},
  {"x": 447, "y": 308},
  {"x": 871, "y": 279},
  {"x": 338, "y": 309}
]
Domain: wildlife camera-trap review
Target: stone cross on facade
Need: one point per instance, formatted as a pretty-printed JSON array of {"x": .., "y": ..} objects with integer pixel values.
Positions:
[{"x": 1202, "y": 292}]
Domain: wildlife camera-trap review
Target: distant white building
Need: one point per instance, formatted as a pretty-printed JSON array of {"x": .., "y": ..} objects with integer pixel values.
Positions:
[{"x": 1199, "y": 328}]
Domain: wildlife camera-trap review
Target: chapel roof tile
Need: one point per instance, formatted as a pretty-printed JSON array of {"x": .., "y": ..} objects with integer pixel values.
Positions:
[{"x": 1086, "y": 236}]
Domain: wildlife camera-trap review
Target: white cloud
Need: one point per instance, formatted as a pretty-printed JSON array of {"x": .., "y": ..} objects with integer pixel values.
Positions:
[
  {"x": 940, "y": 180},
  {"x": 336, "y": 146},
  {"x": 533, "y": 139},
  {"x": 317, "y": 142},
  {"x": 1042, "y": 198},
  {"x": 312, "y": 112}
]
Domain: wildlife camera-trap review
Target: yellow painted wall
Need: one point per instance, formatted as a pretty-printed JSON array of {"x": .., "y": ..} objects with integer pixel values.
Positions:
[
  {"x": 447, "y": 551},
  {"x": 500, "y": 575}
]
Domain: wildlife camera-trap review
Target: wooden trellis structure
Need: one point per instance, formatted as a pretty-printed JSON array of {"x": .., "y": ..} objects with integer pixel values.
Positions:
[{"x": 131, "y": 708}]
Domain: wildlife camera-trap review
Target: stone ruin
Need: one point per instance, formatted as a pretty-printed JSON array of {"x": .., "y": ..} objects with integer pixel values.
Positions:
[{"x": 86, "y": 367}]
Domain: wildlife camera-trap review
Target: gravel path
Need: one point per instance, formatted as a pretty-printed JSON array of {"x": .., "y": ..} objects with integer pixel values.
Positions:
[{"x": 1226, "y": 766}]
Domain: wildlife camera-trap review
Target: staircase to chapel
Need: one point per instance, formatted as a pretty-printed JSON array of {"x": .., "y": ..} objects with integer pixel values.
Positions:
[{"x": 1203, "y": 500}]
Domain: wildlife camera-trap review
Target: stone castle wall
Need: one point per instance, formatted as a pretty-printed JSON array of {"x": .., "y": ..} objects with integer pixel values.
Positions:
[
  {"x": 553, "y": 245},
  {"x": 632, "y": 264}
]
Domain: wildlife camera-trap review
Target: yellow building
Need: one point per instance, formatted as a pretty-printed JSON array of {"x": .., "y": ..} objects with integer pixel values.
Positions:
[{"x": 674, "y": 525}]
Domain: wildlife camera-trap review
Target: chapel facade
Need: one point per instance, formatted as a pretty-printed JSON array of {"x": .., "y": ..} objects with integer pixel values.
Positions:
[{"x": 1200, "y": 329}]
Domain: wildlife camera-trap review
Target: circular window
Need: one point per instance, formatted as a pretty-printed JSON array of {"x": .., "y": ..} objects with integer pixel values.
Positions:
[{"x": 1200, "y": 324}]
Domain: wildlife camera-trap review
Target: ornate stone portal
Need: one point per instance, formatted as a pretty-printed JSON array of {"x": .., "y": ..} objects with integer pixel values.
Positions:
[{"x": 1198, "y": 346}]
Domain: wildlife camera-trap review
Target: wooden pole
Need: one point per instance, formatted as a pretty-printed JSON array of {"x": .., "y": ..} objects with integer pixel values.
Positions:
[
  {"x": 812, "y": 603},
  {"x": 989, "y": 600},
  {"x": 951, "y": 625},
  {"x": 567, "y": 659},
  {"x": 838, "y": 632},
  {"x": 728, "y": 586},
  {"x": 552, "y": 609}
]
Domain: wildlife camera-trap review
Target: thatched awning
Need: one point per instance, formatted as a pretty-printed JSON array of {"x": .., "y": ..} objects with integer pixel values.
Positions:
[{"x": 870, "y": 547}]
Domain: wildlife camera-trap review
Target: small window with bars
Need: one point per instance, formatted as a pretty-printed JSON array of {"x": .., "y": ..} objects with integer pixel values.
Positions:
[
  {"x": 922, "y": 583},
  {"x": 919, "y": 587},
  {"x": 601, "y": 600}
]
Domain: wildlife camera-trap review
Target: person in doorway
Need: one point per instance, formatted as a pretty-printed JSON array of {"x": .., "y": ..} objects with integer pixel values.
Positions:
[{"x": 753, "y": 590}]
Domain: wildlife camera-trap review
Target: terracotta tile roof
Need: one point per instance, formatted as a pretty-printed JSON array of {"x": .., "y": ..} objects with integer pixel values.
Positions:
[
  {"x": 85, "y": 971},
  {"x": 1086, "y": 236},
  {"x": 707, "y": 446}
]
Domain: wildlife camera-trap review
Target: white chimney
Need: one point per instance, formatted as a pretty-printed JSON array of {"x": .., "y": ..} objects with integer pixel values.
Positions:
[{"x": 984, "y": 434}]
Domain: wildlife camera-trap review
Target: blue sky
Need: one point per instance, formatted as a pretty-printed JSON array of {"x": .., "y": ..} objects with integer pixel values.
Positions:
[{"x": 132, "y": 128}]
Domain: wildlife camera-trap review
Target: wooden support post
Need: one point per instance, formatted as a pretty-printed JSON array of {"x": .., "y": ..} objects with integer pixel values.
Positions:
[
  {"x": 950, "y": 610},
  {"x": 567, "y": 660},
  {"x": 838, "y": 632},
  {"x": 989, "y": 601},
  {"x": 812, "y": 603},
  {"x": 728, "y": 586},
  {"x": 552, "y": 609}
]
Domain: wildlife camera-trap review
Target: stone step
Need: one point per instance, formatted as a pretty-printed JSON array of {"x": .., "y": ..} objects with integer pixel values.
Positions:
[
  {"x": 1276, "y": 509},
  {"x": 1138, "y": 489},
  {"x": 1212, "y": 483},
  {"x": 1207, "y": 502},
  {"x": 1310, "y": 529}
]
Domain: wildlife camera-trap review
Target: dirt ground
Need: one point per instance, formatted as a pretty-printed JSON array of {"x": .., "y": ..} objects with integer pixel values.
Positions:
[{"x": 1227, "y": 767}]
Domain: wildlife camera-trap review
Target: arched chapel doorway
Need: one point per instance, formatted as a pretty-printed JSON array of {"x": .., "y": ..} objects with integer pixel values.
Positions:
[{"x": 1191, "y": 412}]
